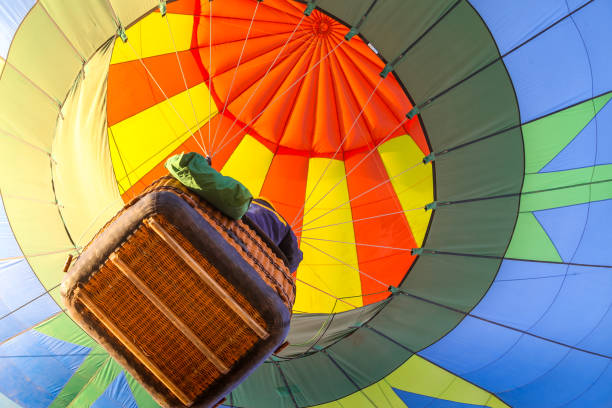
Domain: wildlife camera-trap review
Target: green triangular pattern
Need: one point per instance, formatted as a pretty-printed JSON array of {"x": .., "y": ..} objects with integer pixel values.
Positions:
[
  {"x": 569, "y": 187},
  {"x": 530, "y": 241},
  {"x": 141, "y": 396},
  {"x": 546, "y": 137}
]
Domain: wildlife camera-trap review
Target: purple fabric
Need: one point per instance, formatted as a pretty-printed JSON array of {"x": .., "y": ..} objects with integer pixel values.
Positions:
[{"x": 277, "y": 229}]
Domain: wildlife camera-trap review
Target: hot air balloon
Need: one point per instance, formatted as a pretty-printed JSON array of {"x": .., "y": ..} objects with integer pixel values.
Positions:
[{"x": 445, "y": 165}]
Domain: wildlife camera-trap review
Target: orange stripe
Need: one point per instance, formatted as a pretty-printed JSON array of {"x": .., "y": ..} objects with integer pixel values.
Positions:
[
  {"x": 285, "y": 184},
  {"x": 131, "y": 90},
  {"x": 387, "y": 265}
]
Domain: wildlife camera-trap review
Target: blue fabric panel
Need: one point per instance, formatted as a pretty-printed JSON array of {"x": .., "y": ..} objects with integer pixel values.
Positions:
[
  {"x": 521, "y": 293},
  {"x": 566, "y": 381},
  {"x": 581, "y": 304},
  {"x": 598, "y": 394},
  {"x": 596, "y": 31},
  {"x": 604, "y": 135},
  {"x": 599, "y": 339},
  {"x": 35, "y": 367},
  {"x": 19, "y": 285},
  {"x": 511, "y": 25},
  {"x": 580, "y": 152},
  {"x": 423, "y": 401},
  {"x": 528, "y": 359},
  {"x": 471, "y": 345},
  {"x": 117, "y": 395},
  {"x": 551, "y": 72},
  {"x": 595, "y": 245},
  {"x": 11, "y": 14},
  {"x": 564, "y": 226}
]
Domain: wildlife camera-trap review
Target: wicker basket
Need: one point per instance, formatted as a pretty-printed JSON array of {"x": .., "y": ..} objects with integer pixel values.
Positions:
[{"x": 187, "y": 300}]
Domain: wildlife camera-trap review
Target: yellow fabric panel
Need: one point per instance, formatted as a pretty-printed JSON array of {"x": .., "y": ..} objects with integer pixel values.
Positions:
[
  {"x": 414, "y": 187},
  {"x": 419, "y": 376},
  {"x": 380, "y": 394},
  {"x": 249, "y": 164},
  {"x": 150, "y": 37},
  {"x": 52, "y": 66},
  {"x": 317, "y": 268},
  {"x": 147, "y": 137},
  {"x": 84, "y": 162}
]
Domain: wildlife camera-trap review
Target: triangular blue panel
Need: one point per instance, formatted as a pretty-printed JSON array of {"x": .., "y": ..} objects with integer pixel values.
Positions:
[
  {"x": 564, "y": 226},
  {"x": 35, "y": 367},
  {"x": 413, "y": 400},
  {"x": 579, "y": 153},
  {"x": 117, "y": 395}
]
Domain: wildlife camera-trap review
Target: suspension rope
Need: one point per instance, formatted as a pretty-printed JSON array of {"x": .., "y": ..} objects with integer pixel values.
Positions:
[
  {"x": 334, "y": 156},
  {"x": 351, "y": 171},
  {"x": 195, "y": 115},
  {"x": 386, "y": 285},
  {"x": 359, "y": 244},
  {"x": 364, "y": 193},
  {"x": 229, "y": 92},
  {"x": 325, "y": 292},
  {"x": 210, "y": 66},
  {"x": 277, "y": 98},
  {"x": 361, "y": 219},
  {"x": 166, "y": 98},
  {"x": 264, "y": 77}
]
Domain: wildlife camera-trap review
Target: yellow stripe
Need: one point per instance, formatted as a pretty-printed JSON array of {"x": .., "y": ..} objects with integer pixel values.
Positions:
[
  {"x": 151, "y": 37},
  {"x": 414, "y": 188},
  {"x": 318, "y": 269},
  {"x": 147, "y": 137},
  {"x": 249, "y": 164}
]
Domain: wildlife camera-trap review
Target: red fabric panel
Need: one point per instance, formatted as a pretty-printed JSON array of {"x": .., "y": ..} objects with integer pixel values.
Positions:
[
  {"x": 387, "y": 265},
  {"x": 131, "y": 89},
  {"x": 285, "y": 184}
]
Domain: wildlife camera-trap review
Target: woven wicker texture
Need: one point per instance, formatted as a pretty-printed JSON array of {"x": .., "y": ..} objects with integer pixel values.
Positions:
[
  {"x": 184, "y": 293},
  {"x": 242, "y": 237}
]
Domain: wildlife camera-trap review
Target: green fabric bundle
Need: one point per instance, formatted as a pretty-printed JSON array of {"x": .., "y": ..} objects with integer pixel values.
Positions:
[{"x": 224, "y": 193}]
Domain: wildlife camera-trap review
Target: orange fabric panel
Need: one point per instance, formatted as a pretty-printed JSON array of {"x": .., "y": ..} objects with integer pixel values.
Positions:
[
  {"x": 131, "y": 89},
  {"x": 285, "y": 185},
  {"x": 387, "y": 265}
]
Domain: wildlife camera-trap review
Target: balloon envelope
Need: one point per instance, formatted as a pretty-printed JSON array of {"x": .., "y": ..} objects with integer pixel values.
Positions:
[{"x": 446, "y": 169}]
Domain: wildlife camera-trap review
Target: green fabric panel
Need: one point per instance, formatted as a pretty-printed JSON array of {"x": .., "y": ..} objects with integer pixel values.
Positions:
[
  {"x": 455, "y": 48},
  {"x": 86, "y": 23},
  {"x": 478, "y": 227},
  {"x": 481, "y": 106},
  {"x": 351, "y": 354},
  {"x": 141, "y": 396},
  {"x": 393, "y": 25},
  {"x": 323, "y": 329},
  {"x": 226, "y": 194},
  {"x": 42, "y": 53},
  {"x": 487, "y": 168},
  {"x": 546, "y": 137},
  {"x": 413, "y": 323},
  {"x": 317, "y": 379},
  {"x": 349, "y": 12},
  {"x": 530, "y": 241},
  {"x": 569, "y": 187},
  {"x": 99, "y": 381},
  {"x": 80, "y": 379},
  {"x": 456, "y": 281},
  {"x": 264, "y": 388},
  {"x": 63, "y": 328}
]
